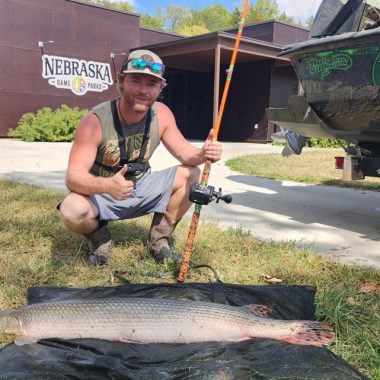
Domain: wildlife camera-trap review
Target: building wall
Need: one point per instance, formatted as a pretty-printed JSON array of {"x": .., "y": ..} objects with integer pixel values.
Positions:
[
  {"x": 276, "y": 32},
  {"x": 150, "y": 37},
  {"x": 91, "y": 33},
  {"x": 79, "y": 31},
  {"x": 248, "y": 97},
  {"x": 284, "y": 34},
  {"x": 200, "y": 105},
  {"x": 284, "y": 83},
  {"x": 262, "y": 31},
  {"x": 255, "y": 87}
]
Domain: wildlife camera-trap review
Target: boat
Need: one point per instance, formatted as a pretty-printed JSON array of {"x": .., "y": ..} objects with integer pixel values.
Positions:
[{"x": 339, "y": 72}]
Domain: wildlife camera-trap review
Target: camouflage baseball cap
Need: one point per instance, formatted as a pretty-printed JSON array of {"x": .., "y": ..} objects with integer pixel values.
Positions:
[{"x": 144, "y": 62}]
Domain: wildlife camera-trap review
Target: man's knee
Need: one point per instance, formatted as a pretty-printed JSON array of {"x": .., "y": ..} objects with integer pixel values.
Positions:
[
  {"x": 195, "y": 174},
  {"x": 76, "y": 209},
  {"x": 187, "y": 175}
]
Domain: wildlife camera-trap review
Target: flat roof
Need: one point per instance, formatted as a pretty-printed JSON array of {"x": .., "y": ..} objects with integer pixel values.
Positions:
[{"x": 198, "y": 52}]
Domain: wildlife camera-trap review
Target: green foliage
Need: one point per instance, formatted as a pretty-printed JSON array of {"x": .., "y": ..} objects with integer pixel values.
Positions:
[
  {"x": 309, "y": 22},
  {"x": 192, "y": 30},
  {"x": 119, "y": 5},
  {"x": 174, "y": 16},
  {"x": 152, "y": 22},
  {"x": 263, "y": 10},
  {"x": 319, "y": 142},
  {"x": 283, "y": 17},
  {"x": 48, "y": 125},
  {"x": 214, "y": 17},
  {"x": 316, "y": 166},
  {"x": 188, "y": 22}
]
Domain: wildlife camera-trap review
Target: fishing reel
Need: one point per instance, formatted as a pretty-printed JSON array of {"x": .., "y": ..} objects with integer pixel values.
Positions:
[{"x": 203, "y": 195}]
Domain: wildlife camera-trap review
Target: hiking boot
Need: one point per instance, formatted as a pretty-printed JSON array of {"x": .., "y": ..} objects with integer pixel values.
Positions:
[
  {"x": 99, "y": 244},
  {"x": 158, "y": 240}
]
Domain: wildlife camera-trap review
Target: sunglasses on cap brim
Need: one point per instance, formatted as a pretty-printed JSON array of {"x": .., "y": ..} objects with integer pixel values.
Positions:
[{"x": 142, "y": 64}]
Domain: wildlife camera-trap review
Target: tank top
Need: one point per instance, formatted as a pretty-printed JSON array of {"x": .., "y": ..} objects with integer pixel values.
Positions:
[{"x": 108, "y": 155}]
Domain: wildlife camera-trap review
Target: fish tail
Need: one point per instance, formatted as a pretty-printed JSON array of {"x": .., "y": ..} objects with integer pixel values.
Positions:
[{"x": 310, "y": 333}]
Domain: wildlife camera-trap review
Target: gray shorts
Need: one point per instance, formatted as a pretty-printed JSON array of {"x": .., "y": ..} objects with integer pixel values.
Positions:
[{"x": 152, "y": 193}]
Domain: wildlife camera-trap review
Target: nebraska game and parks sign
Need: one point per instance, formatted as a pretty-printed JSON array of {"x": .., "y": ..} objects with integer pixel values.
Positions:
[{"x": 76, "y": 75}]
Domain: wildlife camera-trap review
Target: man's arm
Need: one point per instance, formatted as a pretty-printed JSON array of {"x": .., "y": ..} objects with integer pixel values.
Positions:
[
  {"x": 82, "y": 156},
  {"x": 179, "y": 147}
]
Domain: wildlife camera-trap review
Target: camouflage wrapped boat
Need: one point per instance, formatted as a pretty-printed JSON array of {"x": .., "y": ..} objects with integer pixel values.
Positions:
[{"x": 339, "y": 71}]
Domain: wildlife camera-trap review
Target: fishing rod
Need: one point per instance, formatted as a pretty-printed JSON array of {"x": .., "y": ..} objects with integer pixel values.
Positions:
[{"x": 200, "y": 193}]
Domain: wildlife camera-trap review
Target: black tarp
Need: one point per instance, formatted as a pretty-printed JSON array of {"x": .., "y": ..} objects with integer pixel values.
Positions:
[{"x": 254, "y": 359}]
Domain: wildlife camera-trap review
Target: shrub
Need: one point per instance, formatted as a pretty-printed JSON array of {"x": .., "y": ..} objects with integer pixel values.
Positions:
[
  {"x": 320, "y": 142},
  {"x": 48, "y": 125}
]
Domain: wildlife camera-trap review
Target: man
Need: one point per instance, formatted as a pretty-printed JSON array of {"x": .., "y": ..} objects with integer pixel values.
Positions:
[{"x": 108, "y": 172}]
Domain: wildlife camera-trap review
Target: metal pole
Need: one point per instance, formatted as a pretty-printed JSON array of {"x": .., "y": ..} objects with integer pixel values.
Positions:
[{"x": 207, "y": 167}]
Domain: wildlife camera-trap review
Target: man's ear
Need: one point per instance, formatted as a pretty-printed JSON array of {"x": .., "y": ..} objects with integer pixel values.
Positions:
[{"x": 163, "y": 85}]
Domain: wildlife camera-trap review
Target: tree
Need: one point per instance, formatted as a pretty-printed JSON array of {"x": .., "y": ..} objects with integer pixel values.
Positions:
[
  {"x": 205, "y": 20},
  {"x": 120, "y": 5},
  {"x": 151, "y": 22},
  {"x": 287, "y": 19},
  {"x": 214, "y": 17},
  {"x": 192, "y": 30},
  {"x": 175, "y": 16},
  {"x": 309, "y": 22},
  {"x": 264, "y": 10}
]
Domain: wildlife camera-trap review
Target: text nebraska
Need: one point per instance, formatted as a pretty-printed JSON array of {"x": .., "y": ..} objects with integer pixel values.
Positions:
[{"x": 56, "y": 66}]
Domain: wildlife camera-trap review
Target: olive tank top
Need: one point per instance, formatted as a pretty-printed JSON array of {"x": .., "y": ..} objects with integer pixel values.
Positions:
[{"x": 108, "y": 155}]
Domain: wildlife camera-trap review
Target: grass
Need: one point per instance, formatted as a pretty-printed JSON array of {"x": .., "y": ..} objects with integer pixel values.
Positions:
[
  {"x": 312, "y": 166},
  {"x": 37, "y": 250}
]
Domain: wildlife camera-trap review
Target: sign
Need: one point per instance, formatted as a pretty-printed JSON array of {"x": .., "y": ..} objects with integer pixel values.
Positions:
[{"x": 76, "y": 75}]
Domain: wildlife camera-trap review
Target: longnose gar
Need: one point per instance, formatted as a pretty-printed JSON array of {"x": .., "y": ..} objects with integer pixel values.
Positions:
[{"x": 148, "y": 320}]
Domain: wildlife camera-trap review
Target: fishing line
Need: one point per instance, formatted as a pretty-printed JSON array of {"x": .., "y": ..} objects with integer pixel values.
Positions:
[{"x": 217, "y": 278}]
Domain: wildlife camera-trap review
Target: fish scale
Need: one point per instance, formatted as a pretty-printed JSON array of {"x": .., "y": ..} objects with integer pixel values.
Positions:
[{"x": 153, "y": 320}]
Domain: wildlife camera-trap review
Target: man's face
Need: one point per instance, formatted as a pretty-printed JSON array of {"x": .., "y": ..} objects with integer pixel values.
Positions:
[{"x": 141, "y": 91}]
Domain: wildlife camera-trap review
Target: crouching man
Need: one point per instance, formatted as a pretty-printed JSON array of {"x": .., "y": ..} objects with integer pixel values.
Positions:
[{"x": 108, "y": 173}]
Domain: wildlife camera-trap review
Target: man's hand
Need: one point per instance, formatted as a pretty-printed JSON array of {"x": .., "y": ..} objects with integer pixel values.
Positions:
[
  {"x": 212, "y": 150},
  {"x": 120, "y": 188}
]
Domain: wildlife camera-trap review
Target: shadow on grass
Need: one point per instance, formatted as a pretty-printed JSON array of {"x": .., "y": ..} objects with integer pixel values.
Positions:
[
  {"x": 68, "y": 246},
  {"x": 358, "y": 185}
]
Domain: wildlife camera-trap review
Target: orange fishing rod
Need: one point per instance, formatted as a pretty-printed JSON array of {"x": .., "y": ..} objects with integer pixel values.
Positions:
[{"x": 207, "y": 166}]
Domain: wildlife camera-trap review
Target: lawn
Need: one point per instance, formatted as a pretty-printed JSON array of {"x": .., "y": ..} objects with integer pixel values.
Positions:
[
  {"x": 312, "y": 166},
  {"x": 37, "y": 250}
]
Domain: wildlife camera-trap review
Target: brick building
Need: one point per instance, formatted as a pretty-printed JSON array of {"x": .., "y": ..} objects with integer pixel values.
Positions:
[{"x": 55, "y": 52}]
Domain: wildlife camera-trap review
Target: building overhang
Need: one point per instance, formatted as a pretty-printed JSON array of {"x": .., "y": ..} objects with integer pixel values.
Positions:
[{"x": 197, "y": 53}]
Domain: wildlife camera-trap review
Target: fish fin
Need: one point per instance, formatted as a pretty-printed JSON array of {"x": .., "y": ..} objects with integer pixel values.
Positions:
[
  {"x": 258, "y": 310},
  {"x": 310, "y": 333},
  {"x": 22, "y": 339}
]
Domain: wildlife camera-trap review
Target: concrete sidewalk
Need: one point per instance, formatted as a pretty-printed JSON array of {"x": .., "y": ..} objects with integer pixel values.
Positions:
[{"x": 340, "y": 222}]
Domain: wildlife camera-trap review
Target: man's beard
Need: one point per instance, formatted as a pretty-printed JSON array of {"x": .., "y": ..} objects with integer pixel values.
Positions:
[
  {"x": 140, "y": 108},
  {"x": 136, "y": 107}
]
